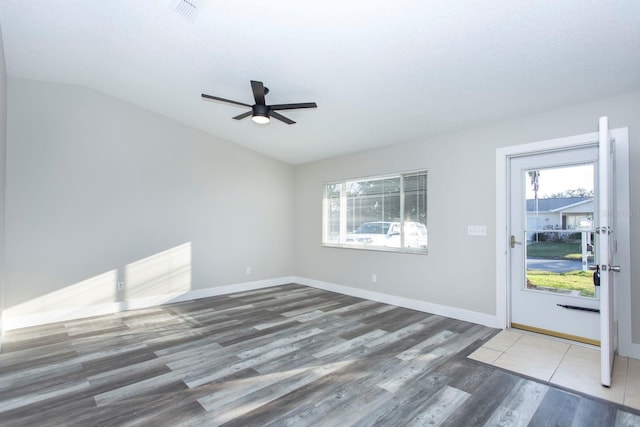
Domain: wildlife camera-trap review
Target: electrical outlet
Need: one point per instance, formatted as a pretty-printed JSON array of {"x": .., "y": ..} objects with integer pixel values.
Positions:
[
  {"x": 120, "y": 286},
  {"x": 248, "y": 270},
  {"x": 374, "y": 278}
]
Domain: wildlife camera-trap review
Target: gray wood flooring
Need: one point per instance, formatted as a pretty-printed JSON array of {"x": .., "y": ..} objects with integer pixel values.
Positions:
[{"x": 284, "y": 356}]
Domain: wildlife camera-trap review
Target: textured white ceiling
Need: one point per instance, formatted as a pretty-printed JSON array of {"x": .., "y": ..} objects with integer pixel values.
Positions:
[{"x": 382, "y": 72}]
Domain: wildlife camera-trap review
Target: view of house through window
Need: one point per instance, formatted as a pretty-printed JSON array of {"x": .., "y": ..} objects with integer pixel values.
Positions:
[
  {"x": 560, "y": 230},
  {"x": 381, "y": 213}
]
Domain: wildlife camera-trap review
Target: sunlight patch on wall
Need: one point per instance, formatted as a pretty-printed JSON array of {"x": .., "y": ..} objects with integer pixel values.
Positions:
[
  {"x": 96, "y": 290},
  {"x": 166, "y": 272}
]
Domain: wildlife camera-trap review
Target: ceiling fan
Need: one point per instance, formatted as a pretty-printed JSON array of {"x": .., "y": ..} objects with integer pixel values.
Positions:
[{"x": 260, "y": 112}]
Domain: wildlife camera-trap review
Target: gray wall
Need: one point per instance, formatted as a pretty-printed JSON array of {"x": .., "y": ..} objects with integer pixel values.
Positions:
[
  {"x": 98, "y": 190},
  {"x": 96, "y": 185},
  {"x": 459, "y": 270},
  {"x": 3, "y": 150}
]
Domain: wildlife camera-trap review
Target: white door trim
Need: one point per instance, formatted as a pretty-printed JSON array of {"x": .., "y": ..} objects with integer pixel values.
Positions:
[{"x": 623, "y": 288}]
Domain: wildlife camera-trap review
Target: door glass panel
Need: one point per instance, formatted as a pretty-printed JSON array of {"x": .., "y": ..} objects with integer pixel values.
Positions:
[{"x": 559, "y": 230}]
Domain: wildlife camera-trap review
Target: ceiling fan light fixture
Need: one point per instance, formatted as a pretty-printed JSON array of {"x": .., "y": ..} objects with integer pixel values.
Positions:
[
  {"x": 260, "y": 120},
  {"x": 260, "y": 114}
]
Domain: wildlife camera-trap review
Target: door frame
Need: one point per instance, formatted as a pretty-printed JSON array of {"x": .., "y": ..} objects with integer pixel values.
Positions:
[{"x": 622, "y": 303}]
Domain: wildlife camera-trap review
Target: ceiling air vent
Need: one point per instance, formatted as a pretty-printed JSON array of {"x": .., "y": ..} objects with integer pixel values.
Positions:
[{"x": 187, "y": 8}]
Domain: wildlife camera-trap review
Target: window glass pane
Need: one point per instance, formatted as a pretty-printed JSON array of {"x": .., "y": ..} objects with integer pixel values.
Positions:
[
  {"x": 415, "y": 210},
  {"x": 371, "y": 206},
  {"x": 332, "y": 197},
  {"x": 560, "y": 230}
]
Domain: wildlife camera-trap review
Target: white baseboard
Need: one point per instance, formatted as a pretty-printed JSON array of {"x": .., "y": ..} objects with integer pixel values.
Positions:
[
  {"x": 230, "y": 289},
  {"x": 22, "y": 321},
  {"x": 427, "y": 307}
]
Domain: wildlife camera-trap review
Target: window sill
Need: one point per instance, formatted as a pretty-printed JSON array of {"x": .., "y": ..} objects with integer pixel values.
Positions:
[{"x": 417, "y": 251}]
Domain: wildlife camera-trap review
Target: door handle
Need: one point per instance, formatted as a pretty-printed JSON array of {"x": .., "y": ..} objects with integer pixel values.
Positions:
[
  {"x": 513, "y": 241},
  {"x": 615, "y": 268}
]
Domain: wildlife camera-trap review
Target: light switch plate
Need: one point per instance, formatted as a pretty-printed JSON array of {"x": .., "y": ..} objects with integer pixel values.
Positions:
[{"x": 477, "y": 230}]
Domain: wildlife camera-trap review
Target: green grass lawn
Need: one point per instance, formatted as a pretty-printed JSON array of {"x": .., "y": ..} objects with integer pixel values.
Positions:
[
  {"x": 570, "y": 281},
  {"x": 554, "y": 250}
]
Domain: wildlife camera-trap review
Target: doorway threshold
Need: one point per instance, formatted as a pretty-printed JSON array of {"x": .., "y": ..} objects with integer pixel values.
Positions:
[{"x": 555, "y": 334}]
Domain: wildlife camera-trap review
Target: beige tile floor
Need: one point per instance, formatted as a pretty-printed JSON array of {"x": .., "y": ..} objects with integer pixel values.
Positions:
[{"x": 572, "y": 365}]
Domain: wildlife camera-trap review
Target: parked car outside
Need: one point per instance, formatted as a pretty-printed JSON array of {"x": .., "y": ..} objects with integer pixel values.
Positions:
[{"x": 387, "y": 233}]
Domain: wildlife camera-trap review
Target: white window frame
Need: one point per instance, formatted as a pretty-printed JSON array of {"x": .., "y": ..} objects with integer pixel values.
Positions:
[{"x": 343, "y": 232}]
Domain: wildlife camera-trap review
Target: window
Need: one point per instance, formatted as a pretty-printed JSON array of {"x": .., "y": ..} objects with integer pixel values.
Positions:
[{"x": 379, "y": 213}]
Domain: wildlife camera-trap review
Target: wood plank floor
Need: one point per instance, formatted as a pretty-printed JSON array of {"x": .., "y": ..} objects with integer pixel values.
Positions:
[{"x": 284, "y": 356}]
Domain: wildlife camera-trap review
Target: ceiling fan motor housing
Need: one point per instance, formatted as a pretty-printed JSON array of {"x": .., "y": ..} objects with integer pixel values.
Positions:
[{"x": 261, "y": 110}]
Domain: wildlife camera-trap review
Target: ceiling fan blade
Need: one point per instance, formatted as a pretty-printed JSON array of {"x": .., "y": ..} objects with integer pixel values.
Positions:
[
  {"x": 281, "y": 118},
  {"x": 243, "y": 115},
  {"x": 258, "y": 92},
  {"x": 294, "y": 106},
  {"x": 215, "y": 98}
]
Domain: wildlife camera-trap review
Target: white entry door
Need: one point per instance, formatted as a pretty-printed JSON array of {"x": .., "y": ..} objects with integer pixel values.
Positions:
[
  {"x": 555, "y": 241},
  {"x": 606, "y": 261},
  {"x": 552, "y": 243}
]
